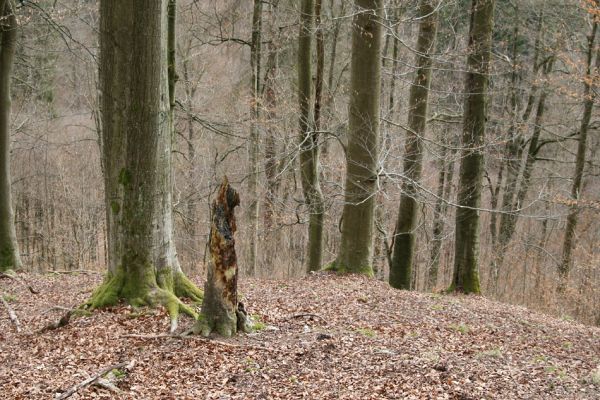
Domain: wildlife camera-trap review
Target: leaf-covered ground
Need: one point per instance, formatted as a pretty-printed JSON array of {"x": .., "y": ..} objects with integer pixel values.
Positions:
[{"x": 324, "y": 337}]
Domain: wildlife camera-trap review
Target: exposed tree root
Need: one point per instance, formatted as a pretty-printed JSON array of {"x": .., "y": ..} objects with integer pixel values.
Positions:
[
  {"x": 154, "y": 293},
  {"x": 183, "y": 287}
]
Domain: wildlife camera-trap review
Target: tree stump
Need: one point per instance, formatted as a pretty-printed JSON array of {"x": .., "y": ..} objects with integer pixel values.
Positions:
[{"x": 221, "y": 311}]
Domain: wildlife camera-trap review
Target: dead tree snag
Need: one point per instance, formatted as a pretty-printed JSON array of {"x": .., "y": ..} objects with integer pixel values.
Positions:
[{"x": 221, "y": 311}]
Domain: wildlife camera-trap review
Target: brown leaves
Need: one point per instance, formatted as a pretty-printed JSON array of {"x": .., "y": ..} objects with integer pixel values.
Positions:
[{"x": 356, "y": 339}]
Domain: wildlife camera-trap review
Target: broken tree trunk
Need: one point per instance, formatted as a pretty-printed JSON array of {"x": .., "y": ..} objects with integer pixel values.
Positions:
[{"x": 221, "y": 311}]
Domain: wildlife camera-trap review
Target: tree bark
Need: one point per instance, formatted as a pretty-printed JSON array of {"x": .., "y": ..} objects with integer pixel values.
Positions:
[
  {"x": 404, "y": 242},
  {"x": 466, "y": 260},
  {"x": 9, "y": 248},
  {"x": 253, "y": 145},
  {"x": 221, "y": 311},
  {"x": 356, "y": 248},
  {"x": 589, "y": 96},
  {"x": 309, "y": 139},
  {"x": 136, "y": 144}
]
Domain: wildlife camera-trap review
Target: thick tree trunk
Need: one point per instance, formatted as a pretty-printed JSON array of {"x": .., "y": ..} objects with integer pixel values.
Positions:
[
  {"x": 9, "y": 248},
  {"x": 253, "y": 144},
  {"x": 356, "y": 248},
  {"x": 136, "y": 144},
  {"x": 466, "y": 258},
  {"x": 404, "y": 243},
  {"x": 221, "y": 311},
  {"x": 589, "y": 96},
  {"x": 309, "y": 139}
]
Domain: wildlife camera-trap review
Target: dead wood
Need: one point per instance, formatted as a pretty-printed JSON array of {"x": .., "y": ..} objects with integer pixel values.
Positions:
[
  {"x": 21, "y": 281},
  {"x": 92, "y": 379},
  {"x": 63, "y": 321},
  {"x": 303, "y": 315},
  {"x": 11, "y": 313},
  {"x": 76, "y": 271}
]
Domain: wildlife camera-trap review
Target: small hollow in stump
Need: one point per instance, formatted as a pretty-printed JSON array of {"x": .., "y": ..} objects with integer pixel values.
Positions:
[{"x": 221, "y": 311}]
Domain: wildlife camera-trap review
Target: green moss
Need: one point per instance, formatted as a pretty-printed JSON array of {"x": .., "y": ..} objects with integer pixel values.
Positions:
[
  {"x": 108, "y": 293},
  {"x": 124, "y": 177},
  {"x": 370, "y": 333},
  {"x": 115, "y": 207},
  {"x": 185, "y": 288},
  {"x": 10, "y": 298},
  {"x": 165, "y": 279},
  {"x": 343, "y": 269}
]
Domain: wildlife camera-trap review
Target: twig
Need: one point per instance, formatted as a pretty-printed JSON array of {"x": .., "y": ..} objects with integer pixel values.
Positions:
[
  {"x": 307, "y": 315},
  {"x": 76, "y": 271},
  {"x": 197, "y": 338},
  {"x": 11, "y": 313},
  {"x": 21, "y": 281},
  {"x": 92, "y": 379}
]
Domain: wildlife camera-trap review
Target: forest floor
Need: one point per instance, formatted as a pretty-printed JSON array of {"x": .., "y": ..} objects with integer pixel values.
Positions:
[{"x": 323, "y": 337}]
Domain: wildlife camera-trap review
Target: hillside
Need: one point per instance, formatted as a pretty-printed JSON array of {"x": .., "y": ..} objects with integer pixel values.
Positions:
[{"x": 324, "y": 337}]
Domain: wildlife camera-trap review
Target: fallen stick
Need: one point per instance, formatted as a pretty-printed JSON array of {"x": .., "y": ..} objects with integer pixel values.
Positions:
[
  {"x": 75, "y": 271},
  {"x": 307, "y": 315},
  {"x": 11, "y": 314},
  {"x": 198, "y": 338},
  {"x": 21, "y": 281},
  {"x": 91, "y": 380},
  {"x": 64, "y": 320}
]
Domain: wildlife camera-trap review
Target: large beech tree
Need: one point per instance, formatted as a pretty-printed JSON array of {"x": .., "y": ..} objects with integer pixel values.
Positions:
[
  {"x": 9, "y": 249},
  {"x": 356, "y": 248},
  {"x": 136, "y": 156},
  {"x": 466, "y": 257}
]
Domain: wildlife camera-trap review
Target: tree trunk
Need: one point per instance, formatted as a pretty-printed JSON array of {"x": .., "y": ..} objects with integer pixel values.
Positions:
[
  {"x": 466, "y": 259},
  {"x": 404, "y": 243},
  {"x": 309, "y": 145},
  {"x": 356, "y": 248},
  {"x": 221, "y": 311},
  {"x": 589, "y": 96},
  {"x": 9, "y": 248},
  {"x": 136, "y": 144},
  {"x": 508, "y": 220},
  {"x": 253, "y": 145}
]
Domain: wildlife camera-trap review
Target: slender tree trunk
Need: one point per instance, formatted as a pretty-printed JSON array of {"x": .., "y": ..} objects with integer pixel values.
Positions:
[
  {"x": 136, "y": 144},
  {"x": 404, "y": 243},
  {"x": 309, "y": 139},
  {"x": 466, "y": 258},
  {"x": 9, "y": 248},
  {"x": 508, "y": 220},
  {"x": 255, "y": 63},
  {"x": 589, "y": 96},
  {"x": 356, "y": 248}
]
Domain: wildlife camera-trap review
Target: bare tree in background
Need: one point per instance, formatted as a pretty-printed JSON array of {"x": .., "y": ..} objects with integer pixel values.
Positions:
[{"x": 9, "y": 249}]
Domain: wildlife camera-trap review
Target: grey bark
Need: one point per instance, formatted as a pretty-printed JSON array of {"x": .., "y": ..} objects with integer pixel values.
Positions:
[
  {"x": 404, "y": 242},
  {"x": 9, "y": 248},
  {"x": 309, "y": 138},
  {"x": 356, "y": 248},
  {"x": 466, "y": 257},
  {"x": 589, "y": 96}
]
